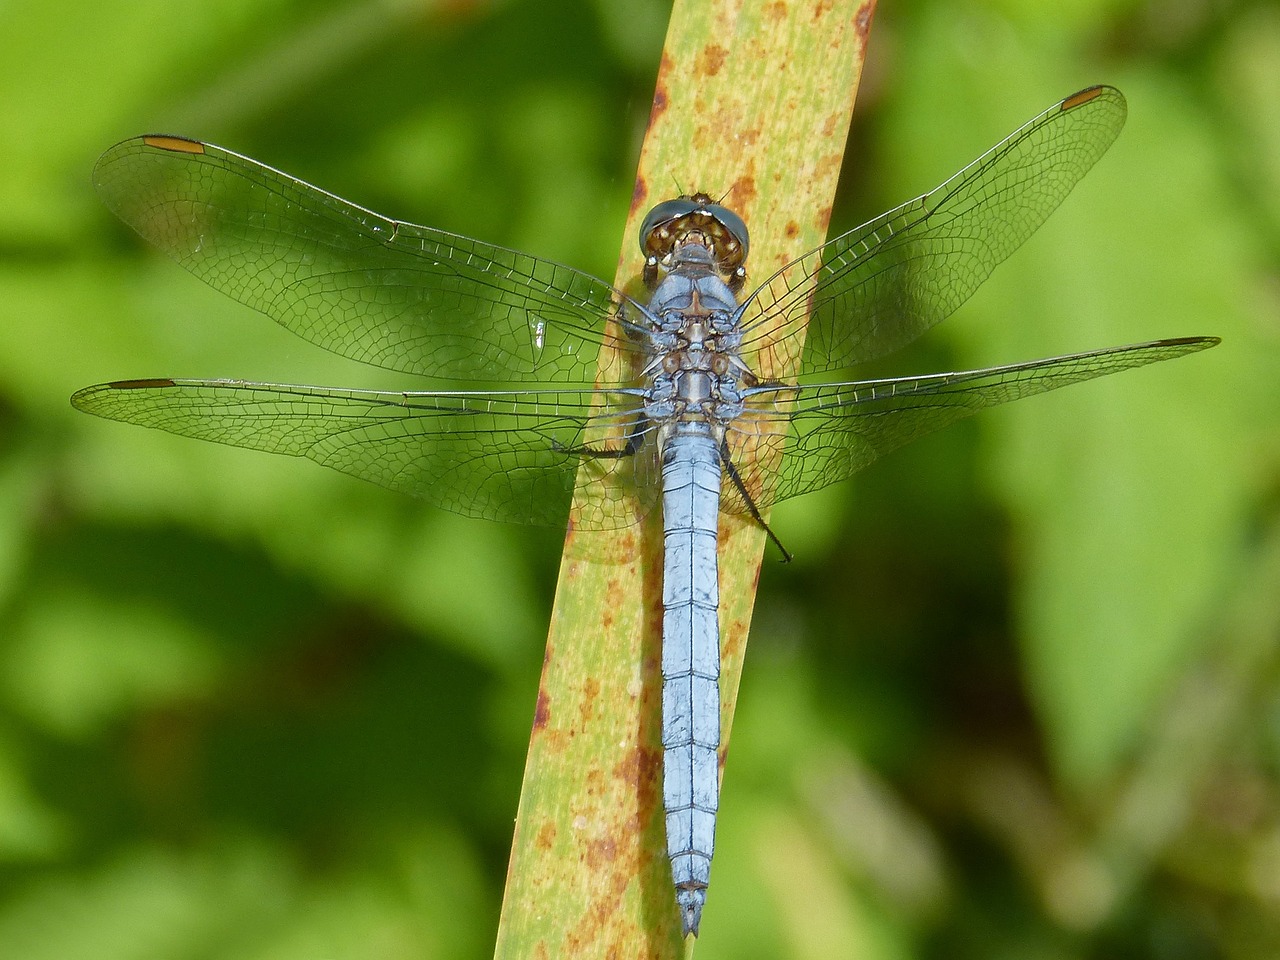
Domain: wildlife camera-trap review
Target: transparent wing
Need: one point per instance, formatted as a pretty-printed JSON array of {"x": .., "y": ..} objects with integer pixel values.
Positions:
[
  {"x": 817, "y": 435},
  {"x": 392, "y": 294},
  {"x": 881, "y": 285},
  {"x": 503, "y": 456}
]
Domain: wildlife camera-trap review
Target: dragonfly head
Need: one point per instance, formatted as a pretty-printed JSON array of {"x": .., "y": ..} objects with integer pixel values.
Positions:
[{"x": 695, "y": 219}]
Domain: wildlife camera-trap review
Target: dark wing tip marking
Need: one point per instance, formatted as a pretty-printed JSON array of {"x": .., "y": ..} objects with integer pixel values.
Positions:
[
  {"x": 173, "y": 144},
  {"x": 1082, "y": 97},
  {"x": 140, "y": 384},
  {"x": 1199, "y": 343}
]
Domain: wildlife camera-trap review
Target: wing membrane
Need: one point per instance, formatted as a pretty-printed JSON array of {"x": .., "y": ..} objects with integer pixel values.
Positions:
[
  {"x": 387, "y": 293},
  {"x": 501, "y": 456},
  {"x": 883, "y": 284},
  {"x": 423, "y": 301},
  {"x": 836, "y": 429}
]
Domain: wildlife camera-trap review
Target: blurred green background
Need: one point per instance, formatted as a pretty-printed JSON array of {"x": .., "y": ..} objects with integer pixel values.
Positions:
[{"x": 1018, "y": 696}]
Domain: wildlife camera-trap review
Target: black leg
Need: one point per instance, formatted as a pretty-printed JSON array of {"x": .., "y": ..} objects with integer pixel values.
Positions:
[
  {"x": 732, "y": 471},
  {"x": 635, "y": 439}
]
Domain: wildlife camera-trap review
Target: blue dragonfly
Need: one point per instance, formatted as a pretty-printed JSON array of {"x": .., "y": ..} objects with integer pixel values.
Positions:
[{"x": 715, "y": 403}]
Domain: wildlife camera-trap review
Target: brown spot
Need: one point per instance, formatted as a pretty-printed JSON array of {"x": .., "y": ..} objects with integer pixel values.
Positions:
[
  {"x": 587, "y": 706},
  {"x": 712, "y": 59},
  {"x": 541, "y": 712},
  {"x": 660, "y": 102},
  {"x": 791, "y": 230},
  {"x": 600, "y": 852},
  {"x": 616, "y": 593},
  {"x": 828, "y": 166},
  {"x": 641, "y": 770},
  {"x": 639, "y": 195},
  {"x": 744, "y": 192},
  {"x": 774, "y": 11},
  {"x": 701, "y": 137},
  {"x": 821, "y": 9},
  {"x": 546, "y": 837},
  {"x": 649, "y": 764},
  {"x": 734, "y": 641},
  {"x": 862, "y": 20}
]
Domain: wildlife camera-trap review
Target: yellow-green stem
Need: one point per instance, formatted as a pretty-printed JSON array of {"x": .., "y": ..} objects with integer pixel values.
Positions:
[{"x": 753, "y": 103}]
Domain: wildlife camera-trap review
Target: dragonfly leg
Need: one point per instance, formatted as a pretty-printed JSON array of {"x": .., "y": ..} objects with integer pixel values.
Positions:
[{"x": 752, "y": 509}]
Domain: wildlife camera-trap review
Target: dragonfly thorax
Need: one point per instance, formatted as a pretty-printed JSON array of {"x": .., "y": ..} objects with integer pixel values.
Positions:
[
  {"x": 695, "y": 367},
  {"x": 693, "y": 396}
]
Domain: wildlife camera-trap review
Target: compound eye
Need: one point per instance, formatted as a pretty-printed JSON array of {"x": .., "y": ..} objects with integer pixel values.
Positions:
[
  {"x": 716, "y": 227},
  {"x": 652, "y": 238},
  {"x": 733, "y": 224}
]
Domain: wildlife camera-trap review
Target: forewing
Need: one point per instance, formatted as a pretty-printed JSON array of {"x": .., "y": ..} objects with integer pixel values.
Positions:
[
  {"x": 392, "y": 294},
  {"x": 881, "y": 285},
  {"x": 793, "y": 440},
  {"x": 510, "y": 457}
]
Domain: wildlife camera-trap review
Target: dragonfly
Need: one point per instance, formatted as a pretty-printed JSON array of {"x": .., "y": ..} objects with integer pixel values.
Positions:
[{"x": 716, "y": 403}]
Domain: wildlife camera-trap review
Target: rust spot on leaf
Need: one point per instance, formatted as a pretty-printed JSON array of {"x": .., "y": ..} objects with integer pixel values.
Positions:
[
  {"x": 601, "y": 852},
  {"x": 546, "y": 837},
  {"x": 639, "y": 195},
  {"x": 862, "y": 21},
  {"x": 587, "y": 706},
  {"x": 734, "y": 640},
  {"x": 660, "y": 101},
  {"x": 659, "y": 105},
  {"x": 641, "y": 771},
  {"x": 712, "y": 59},
  {"x": 829, "y": 166},
  {"x": 615, "y": 596},
  {"x": 744, "y": 192},
  {"x": 542, "y": 712}
]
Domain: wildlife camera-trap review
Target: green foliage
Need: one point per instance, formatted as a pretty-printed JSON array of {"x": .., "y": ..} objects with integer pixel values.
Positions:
[{"x": 1016, "y": 697}]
